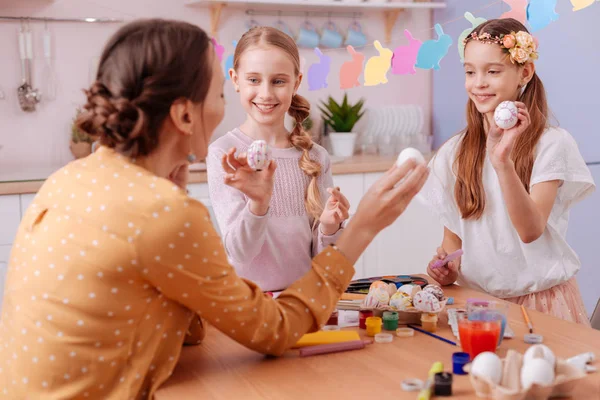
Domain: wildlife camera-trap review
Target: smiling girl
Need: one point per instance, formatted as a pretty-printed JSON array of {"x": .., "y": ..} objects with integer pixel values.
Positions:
[
  {"x": 504, "y": 195},
  {"x": 273, "y": 223}
]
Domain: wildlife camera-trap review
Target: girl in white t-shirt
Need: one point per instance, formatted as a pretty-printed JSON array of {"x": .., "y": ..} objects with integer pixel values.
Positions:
[{"x": 504, "y": 195}]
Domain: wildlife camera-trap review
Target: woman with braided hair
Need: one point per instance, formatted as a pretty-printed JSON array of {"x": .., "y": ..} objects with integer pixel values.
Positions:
[{"x": 114, "y": 266}]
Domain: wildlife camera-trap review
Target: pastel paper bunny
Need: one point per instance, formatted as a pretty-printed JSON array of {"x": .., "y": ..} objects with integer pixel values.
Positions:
[
  {"x": 540, "y": 13},
  {"x": 405, "y": 57},
  {"x": 432, "y": 51},
  {"x": 218, "y": 49},
  {"x": 378, "y": 66},
  {"x": 351, "y": 70},
  {"x": 581, "y": 4},
  {"x": 475, "y": 22},
  {"x": 317, "y": 73},
  {"x": 518, "y": 10},
  {"x": 229, "y": 61}
]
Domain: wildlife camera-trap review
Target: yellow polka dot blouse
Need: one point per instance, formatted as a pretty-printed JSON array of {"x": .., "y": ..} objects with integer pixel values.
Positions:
[{"x": 111, "y": 268}]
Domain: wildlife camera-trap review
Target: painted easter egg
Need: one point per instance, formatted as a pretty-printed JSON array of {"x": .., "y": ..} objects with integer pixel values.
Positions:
[
  {"x": 400, "y": 301},
  {"x": 259, "y": 155},
  {"x": 435, "y": 290},
  {"x": 377, "y": 284},
  {"x": 506, "y": 115},
  {"x": 426, "y": 302}
]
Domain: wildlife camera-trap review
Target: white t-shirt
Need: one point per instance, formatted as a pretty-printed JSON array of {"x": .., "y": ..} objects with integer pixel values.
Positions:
[{"x": 495, "y": 260}]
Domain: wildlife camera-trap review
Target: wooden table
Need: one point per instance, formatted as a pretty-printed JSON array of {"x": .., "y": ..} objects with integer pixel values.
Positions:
[{"x": 222, "y": 369}]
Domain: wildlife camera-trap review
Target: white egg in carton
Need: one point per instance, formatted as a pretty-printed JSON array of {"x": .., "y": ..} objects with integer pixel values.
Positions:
[{"x": 536, "y": 375}]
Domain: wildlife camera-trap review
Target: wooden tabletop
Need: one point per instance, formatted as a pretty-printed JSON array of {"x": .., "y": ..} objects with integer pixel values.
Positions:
[{"x": 220, "y": 368}]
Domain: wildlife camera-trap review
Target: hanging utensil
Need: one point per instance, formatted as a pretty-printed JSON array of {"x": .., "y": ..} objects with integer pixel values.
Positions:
[
  {"x": 50, "y": 79},
  {"x": 28, "y": 96}
]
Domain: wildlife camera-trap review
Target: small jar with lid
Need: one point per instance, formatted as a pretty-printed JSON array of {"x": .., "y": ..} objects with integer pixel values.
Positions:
[
  {"x": 390, "y": 320},
  {"x": 429, "y": 322},
  {"x": 373, "y": 325}
]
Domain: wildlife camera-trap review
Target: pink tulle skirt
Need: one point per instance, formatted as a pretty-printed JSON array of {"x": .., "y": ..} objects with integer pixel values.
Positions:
[{"x": 563, "y": 301}]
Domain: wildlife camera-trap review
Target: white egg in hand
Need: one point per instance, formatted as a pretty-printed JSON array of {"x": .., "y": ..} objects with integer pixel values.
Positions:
[
  {"x": 506, "y": 115},
  {"x": 487, "y": 365},
  {"x": 539, "y": 351},
  {"x": 538, "y": 371},
  {"x": 410, "y": 152}
]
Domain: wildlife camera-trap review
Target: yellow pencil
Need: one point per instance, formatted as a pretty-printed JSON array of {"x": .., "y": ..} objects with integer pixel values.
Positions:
[{"x": 527, "y": 320}]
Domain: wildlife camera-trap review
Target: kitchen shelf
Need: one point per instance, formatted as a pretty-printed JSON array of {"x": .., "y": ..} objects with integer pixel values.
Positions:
[{"x": 391, "y": 10}]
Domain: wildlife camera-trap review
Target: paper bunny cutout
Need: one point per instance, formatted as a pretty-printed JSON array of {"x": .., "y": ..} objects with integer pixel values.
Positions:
[
  {"x": 581, "y": 4},
  {"x": 432, "y": 51},
  {"x": 302, "y": 69},
  {"x": 317, "y": 73},
  {"x": 218, "y": 49},
  {"x": 405, "y": 57},
  {"x": 540, "y": 13},
  {"x": 475, "y": 22},
  {"x": 378, "y": 66},
  {"x": 518, "y": 10},
  {"x": 351, "y": 70},
  {"x": 229, "y": 61}
]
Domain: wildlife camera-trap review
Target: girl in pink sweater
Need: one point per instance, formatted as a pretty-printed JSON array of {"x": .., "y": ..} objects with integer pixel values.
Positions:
[{"x": 273, "y": 226}]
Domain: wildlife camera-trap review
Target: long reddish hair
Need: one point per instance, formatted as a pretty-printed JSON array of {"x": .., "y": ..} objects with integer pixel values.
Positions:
[
  {"x": 468, "y": 165},
  {"x": 299, "y": 109}
]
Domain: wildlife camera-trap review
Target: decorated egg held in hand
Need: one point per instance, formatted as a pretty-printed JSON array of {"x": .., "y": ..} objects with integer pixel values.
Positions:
[
  {"x": 259, "y": 155},
  {"x": 506, "y": 115}
]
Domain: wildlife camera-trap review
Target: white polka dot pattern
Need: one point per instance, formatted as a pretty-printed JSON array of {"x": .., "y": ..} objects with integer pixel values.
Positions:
[{"x": 117, "y": 310}]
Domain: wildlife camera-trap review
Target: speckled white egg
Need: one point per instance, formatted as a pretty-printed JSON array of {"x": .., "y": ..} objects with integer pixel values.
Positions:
[
  {"x": 537, "y": 371},
  {"x": 487, "y": 365},
  {"x": 259, "y": 155},
  {"x": 435, "y": 290},
  {"x": 539, "y": 351},
  {"x": 408, "y": 153},
  {"x": 426, "y": 302},
  {"x": 506, "y": 115}
]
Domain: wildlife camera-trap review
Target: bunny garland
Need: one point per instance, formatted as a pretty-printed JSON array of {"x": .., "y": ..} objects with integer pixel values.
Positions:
[
  {"x": 432, "y": 51},
  {"x": 378, "y": 66},
  {"x": 351, "y": 70},
  {"x": 540, "y": 13},
  {"x": 404, "y": 59},
  {"x": 475, "y": 22},
  {"x": 317, "y": 73},
  {"x": 229, "y": 61}
]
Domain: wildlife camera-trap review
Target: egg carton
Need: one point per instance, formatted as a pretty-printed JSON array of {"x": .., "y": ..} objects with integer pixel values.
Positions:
[
  {"x": 407, "y": 316},
  {"x": 565, "y": 381}
]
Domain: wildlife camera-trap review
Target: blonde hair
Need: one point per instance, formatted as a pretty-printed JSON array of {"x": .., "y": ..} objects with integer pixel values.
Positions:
[{"x": 299, "y": 109}]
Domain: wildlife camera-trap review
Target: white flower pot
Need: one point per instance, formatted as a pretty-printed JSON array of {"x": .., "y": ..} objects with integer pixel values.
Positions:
[{"x": 342, "y": 143}]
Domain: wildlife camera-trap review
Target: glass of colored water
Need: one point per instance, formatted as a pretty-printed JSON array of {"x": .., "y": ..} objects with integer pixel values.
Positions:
[
  {"x": 488, "y": 310},
  {"x": 478, "y": 336}
]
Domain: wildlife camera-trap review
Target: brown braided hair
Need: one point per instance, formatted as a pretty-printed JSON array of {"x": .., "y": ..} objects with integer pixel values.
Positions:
[
  {"x": 299, "y": 109},
  {"x": 144, "y": 68}
]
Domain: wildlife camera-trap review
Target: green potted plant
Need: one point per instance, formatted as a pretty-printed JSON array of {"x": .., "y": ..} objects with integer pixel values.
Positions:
[
  {"x": 341, "y": 118},
  {"x": 81, "y": 142}
]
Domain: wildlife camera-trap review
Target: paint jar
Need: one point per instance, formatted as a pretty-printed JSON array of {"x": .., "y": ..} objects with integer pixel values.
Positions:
[
  {"x": 333, "y": 319},
  {"x": 429, "y": 322},
  {"x": 373, "y": 325},
  {"x": 362, "y": 317},
  {"x": 390, "y": 320}
]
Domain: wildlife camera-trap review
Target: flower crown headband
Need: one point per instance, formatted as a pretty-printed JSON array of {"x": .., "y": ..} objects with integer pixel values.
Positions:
[{"x": 521, "y": 46}]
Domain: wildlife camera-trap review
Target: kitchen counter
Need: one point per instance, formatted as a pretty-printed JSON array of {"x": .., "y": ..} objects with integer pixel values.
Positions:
[{"x": 29, "y": 180}]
